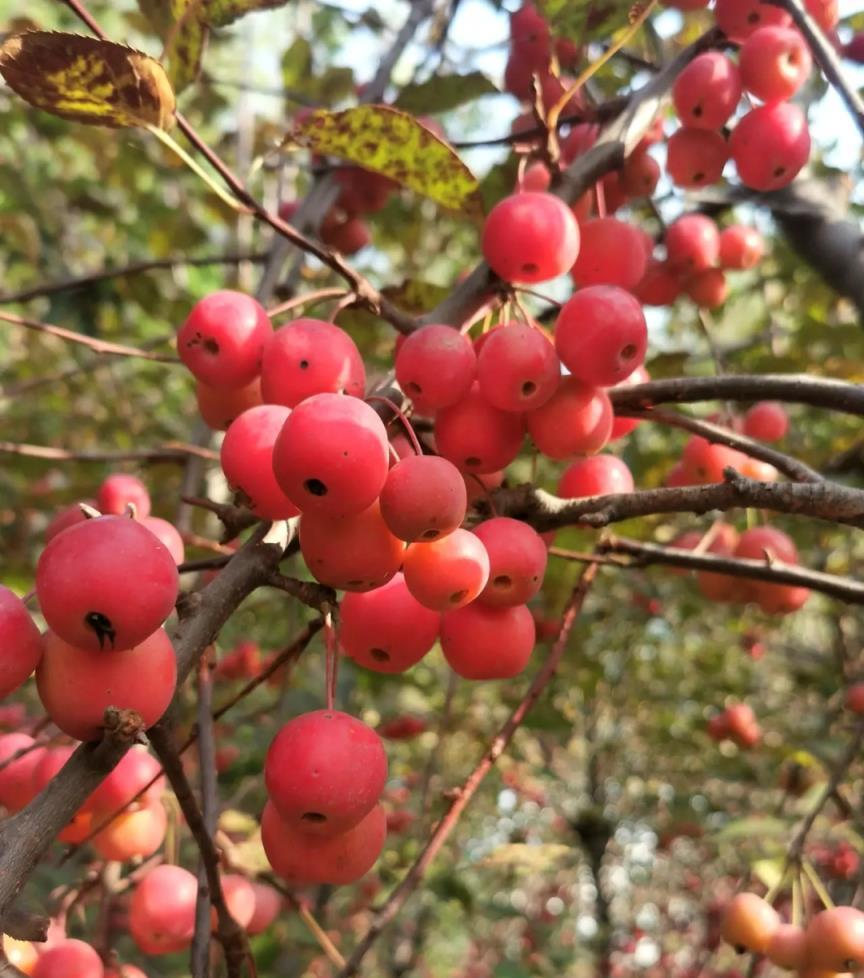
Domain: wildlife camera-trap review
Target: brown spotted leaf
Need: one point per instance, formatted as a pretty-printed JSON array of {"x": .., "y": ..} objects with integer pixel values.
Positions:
[
  {"x": 185, "y": 43},
  {"x": 387, "y": 141},
  {"x": 586, "y": 21},
  {"x": 218, "y": 13},
  {"x": 87, "y": 80}
]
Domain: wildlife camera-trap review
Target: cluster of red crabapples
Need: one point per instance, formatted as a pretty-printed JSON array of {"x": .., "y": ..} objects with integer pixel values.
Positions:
[{"x": 831, "y": 943}]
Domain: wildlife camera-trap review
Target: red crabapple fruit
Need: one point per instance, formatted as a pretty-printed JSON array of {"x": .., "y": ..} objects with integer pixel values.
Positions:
[
  {"x": 517, "y": 561},
  {"x": 20, "y": 642},
  {"x": 766, "y": 421},
  {"x": 612, "y": 253},
  {"x": 835, "y": 939},
  {"x": 705, "y": 461},
  {"x": 325, "y": 772},
  {"x": 16, "y": 777},
  {"x": 708, "y": 288},
  {"x": 622, "y": 425},
  {"x": 598, "y": 475},
  {"x": 477, "y": 437},
  {"x": 517, "y": 368},
  {"x": 135, "y": 770},
  {"x": 640, "y": 174},
  {"x": 435, "y": 367},
  {"x": 749, "y": 923},
  {"x": 247, "y": 460},
  {"x": 738, "y": 19},
  {"x": 770, "y": 144},
  {"x": 741, "y": 247},
  {"x": 695, "y": 157},
  {"x": 219, "y": 406},
  {"x": 310, "y": 356},
  {"x": 423, "y": 498},
  {"x": 168, "y": 535},
  {"x": 331, "y": 456},
  {"x": 106, "y": 583},
  {"x": 136, "y": 833},
  {"x": 707, "y": 91},
  {"x": 530, "y": 237},
  {"x": 692, "y": 243},
  {"x": 69, "y": 959},
  {"x": 775, "y": 62},
  {"x": 239, "y": 898},
  {"x": 223, "y": 337},
  {"x": 480, "y": 642},
  {"x": 162, "y": 910},
  {"x": 303, "y": 860},
  {"x": 601, "y": 335},
  {"x": 67, "y": 517},
  {"x": 119, "y": 491},
  {"x": 660, "y": 285},
  {"x": 447, "y": 573},
  {"x": 387, "y": 630},
  {"x": 77, "y": 685},
  {"x": 268, "y": 904},
  {"x": 576, "y": 420},
  {"x": 788, "y": 947}
]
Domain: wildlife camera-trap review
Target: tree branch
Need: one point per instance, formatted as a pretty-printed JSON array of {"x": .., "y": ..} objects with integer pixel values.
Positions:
[
  {"x": 210, "y": 816},
  {"x": 172, "y": 452},
  {"x": 463, "y": 796}
]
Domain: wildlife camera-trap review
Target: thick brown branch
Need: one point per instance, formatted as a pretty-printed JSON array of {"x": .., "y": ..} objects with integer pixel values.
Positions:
[
  {"x": 644, "y": 554},
  {"x": 311, "y": 593},
  {"x": 793, "y": 468},
  {"x": 96, "y": 345},
  {"x": 821, "y": 500},
  {"x": 822, "y": 392},
  {"x": 465, "y": 793},
  {"x": 172, "y": 452}
]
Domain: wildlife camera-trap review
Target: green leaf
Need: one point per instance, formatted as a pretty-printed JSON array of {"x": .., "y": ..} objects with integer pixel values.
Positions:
[
  {"x": 219, "y": 13},
  {"x": 742, "y": 828},
  {"x": 395, "y": 144},
  {"x": 587, "y": 20},
  {"x": 297, "y": 63},
  {"x": 769, "y": 871},
  {"x": 185, "y": 43},
  {"x": 441, "y": 93},
  {"x": 88, "y": 80}
]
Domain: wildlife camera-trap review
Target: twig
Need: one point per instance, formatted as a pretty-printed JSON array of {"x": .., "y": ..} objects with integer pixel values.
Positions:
[
  {"x": 96, "y": 345},
  {"x": 311, "y": 593},
  {"x": 210, "y": 816},
  {"x": 793, "y": 468},
  {"x": 645, "y": 554},
  {"x": 465, "y": 793},
  {"x": 122, "y": 271},
  {"x": 172, "y": 452}
]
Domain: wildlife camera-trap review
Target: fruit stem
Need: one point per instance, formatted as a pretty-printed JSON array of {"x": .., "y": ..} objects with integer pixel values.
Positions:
[
  {"x": 817, "y": 884},
  {"x": 332, "y": 659},
  {"x": 797, "y": 898},
  {"x": 400, "y": 414}
]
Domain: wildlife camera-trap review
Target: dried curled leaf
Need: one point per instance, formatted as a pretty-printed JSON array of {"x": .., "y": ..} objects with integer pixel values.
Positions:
[
  {"x": 88, "y": 80},
  {"x": 393, "y": 143}
]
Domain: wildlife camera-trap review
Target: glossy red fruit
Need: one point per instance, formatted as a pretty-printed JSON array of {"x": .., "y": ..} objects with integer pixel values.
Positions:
[
  {"x": 223, "y": 338},
  {"x": 766, "y": 421},
  {"x": 788, "y": 947},
  {"x": 741, "y": 247},
  {"x": 738, "y": 19},
  {"x": 402, "y": 728},
  {"x": 307, "y": 357},
  {"x": 696, "y": 157},
  {"x": 246, "y": 456},
  {"x": 749, "y": 923},
  {"x": 387, "y": 630},
  {"x": 77, "y": 685},
  {"x": 601, "y": 335},
  {"x": 530, "y": 36},
  {"x": 775, "y": 62},
  {"x": 854, "y": 698},
  {"x": 722, "y": 587},
  {"x": 612, "y": 253},
  {"x": 660, "y": 285},
  {"x": 351, "y": 553},
  {"x": 756, "y": 543},
  {"x": 168, "y": 535},
  {"x": 423, "y": 498},
  {"x": 119, "y": 491},
  {"x": 835, "y": 939},
  {"x": 363, "y": 192},
  {"x": 69, "y": 959},
  {"x": 135, "y": 770},
  {"x": 435, "y": 367},
  {"x": 598, "y": 475},
  {"x": 707, "y": 91},
  {"x": 480, "y": 642},
  {"x": 517, "y": 368},
  {"x": 346, "y": 236},
  {"x": 162, "y": 910},
  {"x": 770, "y": 145},
  {"x": 640, "y": 175},
  {"x": 219, "y": 406},
  {"x": 621, "y": 425},
  {"x": 303, "y": 860},
  {"x": 331, "y": 456},
  {"x": 708, "y": 288},
  {"x": 19, "y": 640},
  {"x": 706, "y": 461},
  {"x": 477, "y": 437},
  {"x": 16, "y": 777},
  {"x": 136, "y": 833},
  {"x": 325, "y": 772},
  {"x": 826, "y": 13},
  {"x": 517, "y": 561},
  {"x": 536, "y": 178},
  {"x": 239, "y": 898},
  {"x": 530, "y": 237},
  {"x": 481, "y": 486},
  {"x": 268, "y": 904},
  {"x": 692, "y": 243},
  {"x": 576, "y": 420},
  {"x": 106, "y": 583},
  {"x": 447, "y": 573},
  {"x": 67, "y": 517}
]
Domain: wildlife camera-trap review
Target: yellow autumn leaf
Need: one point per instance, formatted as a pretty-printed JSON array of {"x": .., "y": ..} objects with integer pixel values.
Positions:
[
  {"x": 395, "y": 144},
  {"x": 87, "y": 80}
]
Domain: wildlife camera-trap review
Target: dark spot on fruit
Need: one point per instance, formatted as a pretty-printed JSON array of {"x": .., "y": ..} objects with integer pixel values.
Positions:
[
  {"x": 740, "y": 949},
  {"x": 458, "y": 596},
  {"x": 354, "y": 583},
  {"x": 316, "y": 817},
  {"x": 530, "y": 268},
  {"x": 502, "y": 580},
  {"x": 528, "y": 388},
  {"x": 779, "y": 171},
  {"x": 379, "y": 655},
  {"x": 629, "y": 351},
  {"x": 431, "y": 534},
  {"x": 211, "y": 346},
  {"x": 315, "y": 487},
  {"x": 472, "y": 460},
  {"x": 753, "y": 17},
  {"x": 414, "y": 389},
  {"x": 101, "y": 625},
  {"x": 698, "y": 177},
  {"x": 304, "y": 364},
  {"x": 697, "y": 111}
]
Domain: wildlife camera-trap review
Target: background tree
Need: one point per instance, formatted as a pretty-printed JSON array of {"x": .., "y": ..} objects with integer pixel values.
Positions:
[{"x": 672, "y": 741}]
